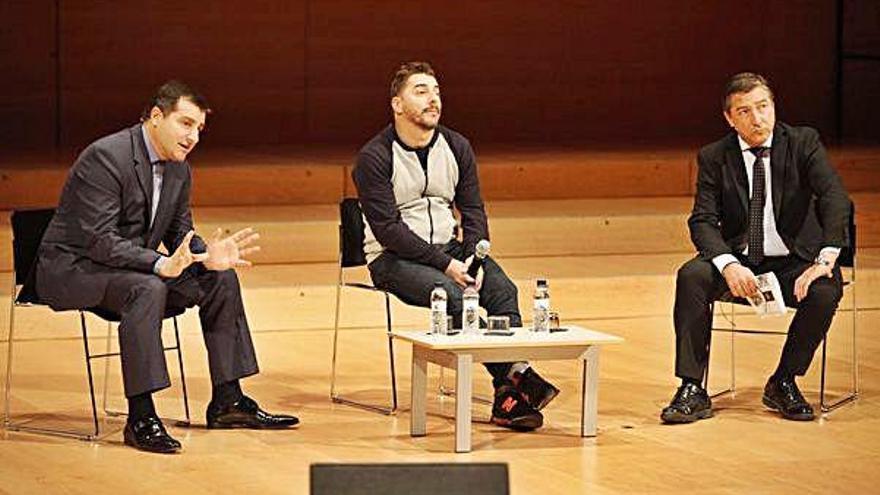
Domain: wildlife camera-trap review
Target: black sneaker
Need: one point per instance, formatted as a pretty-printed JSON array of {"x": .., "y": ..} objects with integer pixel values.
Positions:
[
  {"x": 538, "y": 391},
  {"x": 690, "y": 403},
  {"x": 512, "y": 410}
]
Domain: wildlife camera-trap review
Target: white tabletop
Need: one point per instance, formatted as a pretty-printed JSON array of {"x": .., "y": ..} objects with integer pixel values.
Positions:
[{"x": 522, "y": 337}]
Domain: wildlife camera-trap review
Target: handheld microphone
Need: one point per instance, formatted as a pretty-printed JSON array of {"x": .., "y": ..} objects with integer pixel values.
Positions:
[{"x": 481, "y": 250}]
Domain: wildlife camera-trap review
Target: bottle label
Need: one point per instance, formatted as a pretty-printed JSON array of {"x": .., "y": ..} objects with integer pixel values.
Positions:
[
  {"x": 541, "y": 315},
  {"x": 470, "y": 318},
  {"x": 438, "y": 317}
]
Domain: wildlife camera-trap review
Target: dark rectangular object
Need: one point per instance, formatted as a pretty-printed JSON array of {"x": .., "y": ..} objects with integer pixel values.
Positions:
[{"x": 409, "y": 479}]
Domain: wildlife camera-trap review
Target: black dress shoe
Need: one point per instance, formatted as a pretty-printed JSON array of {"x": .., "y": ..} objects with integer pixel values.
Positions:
[
  {"x": 245, "y": 413},
  {"x": 512, "y": 410},
  {"x": 149, "y": 434},
  {"x": 690, "y": 403},
  {"x": 784, "y": 396},
  {"x": 538, "y": 391}
]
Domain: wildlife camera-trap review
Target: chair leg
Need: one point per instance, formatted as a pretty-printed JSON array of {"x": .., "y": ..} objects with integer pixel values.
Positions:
[
  {"x": 88, "y": 354},
  {"x": 853, "y": 394},
  {"x": 176, "y": 347},
  {"x": 393, "y": 371},
  {"x": 335, "y": 338},
  {"x": 104, "y": 404},
  {"x": 335, "y": 397},
  {"x": 23, "y": 426},
  {"x": 731, "y": 389},
  {"x": 7, "y": 388},
  {"x": 188, "y": 420}
]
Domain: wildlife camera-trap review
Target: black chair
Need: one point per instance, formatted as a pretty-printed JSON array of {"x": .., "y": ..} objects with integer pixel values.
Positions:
[
  {"x": 351, "y": 254},
  {"x": 407, "y": 479},
  {"x": 847, "y": 259},
  {"x": 28, "y": 227}
]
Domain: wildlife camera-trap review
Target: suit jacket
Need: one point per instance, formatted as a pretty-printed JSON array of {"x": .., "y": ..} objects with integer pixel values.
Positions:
[
  {"x": 810, "y": 204},
  {"x": 102, "y": 223}
]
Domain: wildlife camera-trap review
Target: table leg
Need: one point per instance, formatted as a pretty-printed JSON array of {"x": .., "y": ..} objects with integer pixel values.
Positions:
[
  {"x": 590, "y": 391},
  {"x": 463, "y": 380},
  {"x": 419, "y": 391}
]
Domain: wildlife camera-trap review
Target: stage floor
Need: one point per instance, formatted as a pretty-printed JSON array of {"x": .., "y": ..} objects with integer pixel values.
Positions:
[{"x": 743, "y": 449}]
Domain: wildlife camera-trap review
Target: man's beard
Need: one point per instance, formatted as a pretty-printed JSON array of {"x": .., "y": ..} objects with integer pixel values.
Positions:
[{"x": 427, "y": 124}]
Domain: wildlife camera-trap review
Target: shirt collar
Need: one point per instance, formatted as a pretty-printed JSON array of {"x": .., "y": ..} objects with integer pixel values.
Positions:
[
  {"x": 744, "y": 146},
  {"x": 151, "y": 153},
  {"x": 409, "y": 148}
]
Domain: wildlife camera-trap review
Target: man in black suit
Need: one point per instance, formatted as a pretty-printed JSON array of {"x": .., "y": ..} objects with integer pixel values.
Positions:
[
  {"x": 767, "y": 200},
  {"x": 126, "y": 193}
]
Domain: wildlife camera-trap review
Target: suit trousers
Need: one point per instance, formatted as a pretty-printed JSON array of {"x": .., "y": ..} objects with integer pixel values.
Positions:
[
  {"x": 699, "y": 284},
  {"x": 142, "y": 300},
  {"x": 413, "y": 282}
]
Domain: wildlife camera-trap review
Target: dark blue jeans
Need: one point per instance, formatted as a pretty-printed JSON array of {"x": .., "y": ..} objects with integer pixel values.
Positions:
[{"x": 413, "y": 282}]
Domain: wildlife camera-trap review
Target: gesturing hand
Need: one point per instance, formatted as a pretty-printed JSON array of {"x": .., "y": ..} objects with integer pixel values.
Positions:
[
  {"x": 223, "y": 254},
  {"x": 182, "y": 257}
]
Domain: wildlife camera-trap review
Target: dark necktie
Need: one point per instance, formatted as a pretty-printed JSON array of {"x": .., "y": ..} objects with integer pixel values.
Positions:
[{"x": 756, "y": 206}]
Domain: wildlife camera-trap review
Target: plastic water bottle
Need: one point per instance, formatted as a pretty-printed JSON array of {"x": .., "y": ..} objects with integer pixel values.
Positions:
[
  {"x": 470, "y": 310},
  {"x": 438, "y": 310},
  {"x": 541, "y": 314}
]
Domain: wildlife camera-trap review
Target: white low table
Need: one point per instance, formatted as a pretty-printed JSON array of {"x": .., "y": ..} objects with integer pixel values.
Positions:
[{"x": 460, "y": 352}]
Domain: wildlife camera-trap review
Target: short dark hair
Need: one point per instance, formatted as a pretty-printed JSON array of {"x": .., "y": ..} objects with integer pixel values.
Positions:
[
  {"x": 743, "y": 83},
  {"x": 167, "y": 96},
  {"x": 405, "y": 70}
]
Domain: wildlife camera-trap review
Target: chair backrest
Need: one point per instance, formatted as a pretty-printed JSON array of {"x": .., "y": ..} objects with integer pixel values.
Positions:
[
  {"x": 351, "y": 233},
  {"x": 407, "y": 479},
  {"x": 847, "y": 255},
  {"x": 28, "y": 227}
]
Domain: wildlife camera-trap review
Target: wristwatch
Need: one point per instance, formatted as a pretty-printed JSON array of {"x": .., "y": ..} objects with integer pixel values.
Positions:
[{"x": 821, "y": 260}]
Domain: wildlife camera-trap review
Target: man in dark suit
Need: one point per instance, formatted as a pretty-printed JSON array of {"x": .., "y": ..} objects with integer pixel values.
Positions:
[
  {"x": 126, "y": 193},
  {"x": 767, "y": 200}
]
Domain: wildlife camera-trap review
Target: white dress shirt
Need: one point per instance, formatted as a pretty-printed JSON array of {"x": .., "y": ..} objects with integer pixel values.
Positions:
[{"x": 773, "y": 243}]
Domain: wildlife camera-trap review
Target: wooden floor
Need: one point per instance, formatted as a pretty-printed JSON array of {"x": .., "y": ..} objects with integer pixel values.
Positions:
[
  {"x": 290, "y": 297},
  {"x": 743, "y": 449}
]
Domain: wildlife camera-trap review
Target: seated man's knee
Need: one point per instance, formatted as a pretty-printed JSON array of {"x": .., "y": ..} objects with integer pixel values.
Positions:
[
  {"x": 824, "y": 293},
  {"x": 494, "y": 277},
  {"x": 508, "y": 287},
  {"x": 149, "y": 286},
  {"x": 695, "y": 272},
  {"x": 228, "y": 278}
]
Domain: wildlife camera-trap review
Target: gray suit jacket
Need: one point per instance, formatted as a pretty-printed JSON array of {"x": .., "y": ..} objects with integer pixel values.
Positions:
[
  {"x": 810, "y": 204},
  {"x": 102, "y": 222}
]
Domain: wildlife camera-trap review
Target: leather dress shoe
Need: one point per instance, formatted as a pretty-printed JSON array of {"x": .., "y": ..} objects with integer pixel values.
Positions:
[
  {"x": 148, "y": 433},
  {"x": 784, "y": 396},
  {"x": 245, "y": 413},
  {"x": 537, "y": 391},
  {"x": 690, "y": 403}
]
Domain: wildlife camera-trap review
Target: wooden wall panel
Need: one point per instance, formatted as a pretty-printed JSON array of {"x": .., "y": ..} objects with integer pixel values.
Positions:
[
  {"x": 27, "y": 84},
  {"x": 285, "y": 72},
  {"x": 618, "y": 72},
  {"x": 861, "y": 101},
  {"x": 799, "y": 60},
  {"x": 247, "y": 57},
  {"x": 861, "y": 21}
]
